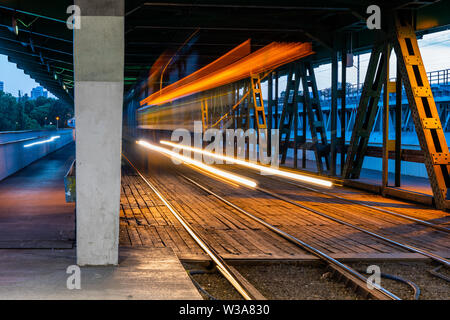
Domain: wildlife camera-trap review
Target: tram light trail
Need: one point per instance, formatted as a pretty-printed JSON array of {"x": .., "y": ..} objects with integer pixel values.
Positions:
[
  {"x": 41, "y": 142},
  {"x": 267, "y": 170},
  {"x": 267, "y": 58},
  {"x": 210, "y": 169},
  {"x": 206, "y": 173}
]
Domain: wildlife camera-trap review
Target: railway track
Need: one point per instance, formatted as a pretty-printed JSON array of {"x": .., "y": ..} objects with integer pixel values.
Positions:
[
  {"x": 384, "y": 211},
  {"x": 311, "y": 189},
  {"x": 346, "y": 274},
  {"x": 426, "y": 253},
  {"x": 442, "y": 260},
  {"x": 396, "y": 243},
  {"x": 227, "y": 271}
]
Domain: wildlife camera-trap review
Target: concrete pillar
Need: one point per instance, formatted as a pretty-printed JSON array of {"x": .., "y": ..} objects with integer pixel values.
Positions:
[{"x": 98, "y": 65}]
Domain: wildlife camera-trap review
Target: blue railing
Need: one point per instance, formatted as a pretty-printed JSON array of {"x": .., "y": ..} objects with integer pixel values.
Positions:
[
  {"x": 439, "y": 77},
  {"x": 439, "y": 81}
]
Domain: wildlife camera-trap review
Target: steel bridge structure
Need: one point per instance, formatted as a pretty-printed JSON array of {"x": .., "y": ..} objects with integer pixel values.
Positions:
[{"x": 221, "y": 64}]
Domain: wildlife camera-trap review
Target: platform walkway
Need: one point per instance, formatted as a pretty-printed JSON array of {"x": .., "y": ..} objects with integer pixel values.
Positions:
[
  {"x": 141, "y": 274},
  {"x": 33, "y": 209},
  {"x": 34, "y": 215}
]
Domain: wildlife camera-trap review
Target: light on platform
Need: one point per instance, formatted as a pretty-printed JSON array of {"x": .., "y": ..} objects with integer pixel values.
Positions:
[
  {"x": 210, "y": 169},
  {"x": 267, "y": 170},
  {"x": 41, "y": 142}
]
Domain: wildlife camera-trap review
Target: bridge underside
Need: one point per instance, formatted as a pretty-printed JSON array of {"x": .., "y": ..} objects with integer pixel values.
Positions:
[{"x": 121, "y": 43}]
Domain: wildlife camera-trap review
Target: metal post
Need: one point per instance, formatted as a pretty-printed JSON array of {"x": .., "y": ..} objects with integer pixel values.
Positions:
[
  {"x": 237, "y": 111},
  {"x": 270, "y": 114},
  {"x": 343, "y": 105},
  {"x": 358, "y": 75},
  {"x": 295, "y": 134},
  {"x": 276, "y": 100},
  {"x": 295, "y": 75},
  {"x": 398, "y": 126},
  {"x": 385, "y": 156},
  {"x": 334, "y": 94},
  {"x": 423, "y": 110},
  {"x": 304, "y": 134},
  {"x": 366, "y": 114},
  {"x": 247, "y": 120}
]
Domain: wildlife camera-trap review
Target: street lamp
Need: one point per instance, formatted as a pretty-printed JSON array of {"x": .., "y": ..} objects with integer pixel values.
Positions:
[{"x": 57, "y": 121}]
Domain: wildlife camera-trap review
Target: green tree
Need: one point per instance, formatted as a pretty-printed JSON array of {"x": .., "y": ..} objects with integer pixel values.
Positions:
[
  {"x": 8, "y": 112},
  {"x": 27, "y": 114}
]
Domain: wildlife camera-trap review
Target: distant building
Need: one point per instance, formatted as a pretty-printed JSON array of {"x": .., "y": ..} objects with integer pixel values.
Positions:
[
  {"x": 38, "y": 92},
  {"x": 2, "y": 86}
]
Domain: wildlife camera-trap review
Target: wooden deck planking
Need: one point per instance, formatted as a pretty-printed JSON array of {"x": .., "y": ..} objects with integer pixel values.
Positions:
[
  {"x": 388, "y": 225},
  {"x": 149, "y": 223}
]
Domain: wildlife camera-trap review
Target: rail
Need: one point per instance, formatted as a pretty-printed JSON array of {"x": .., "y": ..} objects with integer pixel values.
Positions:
[
  {"x": 344, "y": 271},
  {"x": 405, "y": 246},
  {"x": 438, "y": 77},
  {"x": 348, "y": 273},
  {"x": 222, "y": 266}
]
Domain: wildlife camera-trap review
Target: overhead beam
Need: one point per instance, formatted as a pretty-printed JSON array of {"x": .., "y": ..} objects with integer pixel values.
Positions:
[
  {"x": 211, "y": 28},
  {"x": 243, "y": 6},
  {"x": 50, "y": 10},
  {"x": 15, "y": 10},
  {"x": 68, "y": 73},
  {"x": 28, "y": 45},
  {"x": 177, "y": 44},
  {"x": 39, "y": 34},
  {"x": 16, "y": 47}
]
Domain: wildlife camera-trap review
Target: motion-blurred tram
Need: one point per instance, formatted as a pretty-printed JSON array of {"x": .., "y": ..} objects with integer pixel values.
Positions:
[{"x": 225, "y": 93}]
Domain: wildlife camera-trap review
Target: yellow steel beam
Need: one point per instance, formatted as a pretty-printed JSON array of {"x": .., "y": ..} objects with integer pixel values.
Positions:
[{"x": 423, "y": 108}]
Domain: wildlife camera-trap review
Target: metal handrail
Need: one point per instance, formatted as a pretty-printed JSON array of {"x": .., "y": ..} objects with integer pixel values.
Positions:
[
  {"x": 439, "y": 77},
  {"x": 63, "y": 131}
]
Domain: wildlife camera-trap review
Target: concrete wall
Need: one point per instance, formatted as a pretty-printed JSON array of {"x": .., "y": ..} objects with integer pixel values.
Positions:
[
  {"x": 99, "y": 64},
  {"x": 7, "y": 136},
  {"x": 17, "y": 151}
]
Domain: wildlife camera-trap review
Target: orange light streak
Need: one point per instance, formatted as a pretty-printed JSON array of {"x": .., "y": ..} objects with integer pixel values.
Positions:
[
  {"x": 266, "y": 58},
  {"x": 200, "y": 165},
  {"x": 255, "y": 166}
]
